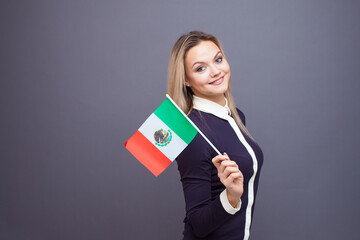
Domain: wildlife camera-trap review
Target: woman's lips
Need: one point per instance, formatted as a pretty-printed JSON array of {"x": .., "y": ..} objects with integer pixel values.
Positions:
[{"x": 218, "y": 81}]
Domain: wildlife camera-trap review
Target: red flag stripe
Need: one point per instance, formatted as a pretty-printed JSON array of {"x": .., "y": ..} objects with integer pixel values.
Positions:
[{"x": 151, "y": 157}]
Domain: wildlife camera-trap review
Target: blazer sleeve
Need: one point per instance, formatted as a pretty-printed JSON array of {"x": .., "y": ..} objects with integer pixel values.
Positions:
[{"x": 204, "y": 212}]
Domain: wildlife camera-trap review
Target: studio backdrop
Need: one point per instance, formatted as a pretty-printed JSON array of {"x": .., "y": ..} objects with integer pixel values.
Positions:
[{"x": 78, "y": 78}]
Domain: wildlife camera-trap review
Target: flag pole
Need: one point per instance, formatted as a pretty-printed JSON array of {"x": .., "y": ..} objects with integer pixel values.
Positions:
[{"x": 201, "y": 133}]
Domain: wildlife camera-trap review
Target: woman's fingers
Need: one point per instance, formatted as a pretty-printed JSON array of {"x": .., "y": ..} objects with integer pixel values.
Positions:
[
  {"x": 229, "y": 174},
  {"x": 224, "y": 164},
  {"x": 234, "y": 184},
  {"x": 229, "y": 170},
  {"x": 218, "y": 159},
  {"x": 233, "y": 176}
]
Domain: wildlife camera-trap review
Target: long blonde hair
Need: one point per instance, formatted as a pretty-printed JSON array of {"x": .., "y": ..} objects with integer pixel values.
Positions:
[{"x": 182, "y": 95}]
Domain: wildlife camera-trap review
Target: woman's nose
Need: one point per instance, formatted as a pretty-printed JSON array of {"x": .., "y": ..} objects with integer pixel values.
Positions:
[{"x": 214, "y": 71}]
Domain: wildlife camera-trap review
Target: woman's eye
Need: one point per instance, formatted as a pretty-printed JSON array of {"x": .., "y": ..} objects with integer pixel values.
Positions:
[
  {"x": 219, "y": 59},
  {"x": 200, "y": 69}
]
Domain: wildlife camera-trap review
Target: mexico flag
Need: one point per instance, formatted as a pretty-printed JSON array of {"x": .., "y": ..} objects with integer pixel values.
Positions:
[{"x": 162, "y": 137}]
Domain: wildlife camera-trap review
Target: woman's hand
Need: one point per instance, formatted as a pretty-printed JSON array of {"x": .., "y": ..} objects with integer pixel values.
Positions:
[{"x": 231, "y": 177}]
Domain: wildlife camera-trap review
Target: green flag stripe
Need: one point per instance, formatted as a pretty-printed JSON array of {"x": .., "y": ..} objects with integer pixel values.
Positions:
[{"x": 174, "y": 119}]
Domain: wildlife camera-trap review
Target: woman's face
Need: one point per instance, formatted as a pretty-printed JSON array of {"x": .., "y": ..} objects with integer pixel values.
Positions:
[{"x": 207, "y": 71}]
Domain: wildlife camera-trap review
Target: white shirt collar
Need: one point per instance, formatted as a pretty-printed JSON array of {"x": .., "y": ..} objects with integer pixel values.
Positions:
[{"x": 211, "y": 107}]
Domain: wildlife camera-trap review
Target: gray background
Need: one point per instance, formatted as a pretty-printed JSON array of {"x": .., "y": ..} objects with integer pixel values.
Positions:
[{"x": 77, "y": 79}]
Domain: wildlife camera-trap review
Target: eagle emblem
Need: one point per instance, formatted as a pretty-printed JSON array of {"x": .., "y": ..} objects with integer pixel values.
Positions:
[{"x": 162, "y": 137}]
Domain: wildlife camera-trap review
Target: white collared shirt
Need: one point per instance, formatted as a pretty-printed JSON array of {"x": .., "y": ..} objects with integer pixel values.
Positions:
[{"x": 209, "y": 106}]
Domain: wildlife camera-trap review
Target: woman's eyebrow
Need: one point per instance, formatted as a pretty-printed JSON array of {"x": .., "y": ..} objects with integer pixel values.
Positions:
[
  {"x": 203, "y": 62},
  {"x": 217, "y": 54}
]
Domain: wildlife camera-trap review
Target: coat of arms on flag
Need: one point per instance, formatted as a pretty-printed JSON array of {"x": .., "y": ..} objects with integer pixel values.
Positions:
[{"x": 162, "y": 137}]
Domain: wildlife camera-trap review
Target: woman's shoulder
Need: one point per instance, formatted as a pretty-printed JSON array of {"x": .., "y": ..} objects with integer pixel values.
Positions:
[
  {"x": 199, "y": 145},
  {"x": 195, "y": 115}
]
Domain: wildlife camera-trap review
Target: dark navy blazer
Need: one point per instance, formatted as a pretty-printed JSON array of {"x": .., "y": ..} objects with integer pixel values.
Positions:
[{"x": 206, "y": 218}]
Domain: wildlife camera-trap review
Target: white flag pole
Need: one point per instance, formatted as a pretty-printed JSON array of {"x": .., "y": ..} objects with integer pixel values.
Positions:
[{"x": 217, "y": 151}]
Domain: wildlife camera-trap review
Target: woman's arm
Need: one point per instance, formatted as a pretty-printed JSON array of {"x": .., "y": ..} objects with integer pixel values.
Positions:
[{"x": 205, "y": 212}]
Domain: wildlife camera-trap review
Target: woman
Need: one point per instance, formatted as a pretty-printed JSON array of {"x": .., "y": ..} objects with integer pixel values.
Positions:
[{"x": 219, "y": 190}]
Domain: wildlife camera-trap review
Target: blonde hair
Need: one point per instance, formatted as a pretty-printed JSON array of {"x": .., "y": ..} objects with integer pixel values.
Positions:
[{"x": 182, "y": 95}]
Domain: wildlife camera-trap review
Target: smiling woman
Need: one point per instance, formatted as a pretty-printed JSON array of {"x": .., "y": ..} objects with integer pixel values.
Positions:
[
  {"x": 219, "y": 190},
  {"x": 207, "y": 72}
]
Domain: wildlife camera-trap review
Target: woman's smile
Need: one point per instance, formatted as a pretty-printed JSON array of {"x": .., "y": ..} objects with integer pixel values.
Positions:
[{"x": 218, "y": 81}]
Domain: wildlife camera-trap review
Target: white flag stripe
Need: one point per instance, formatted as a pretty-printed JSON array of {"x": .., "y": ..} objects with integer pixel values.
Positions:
[{"x": 153, "y": 124}]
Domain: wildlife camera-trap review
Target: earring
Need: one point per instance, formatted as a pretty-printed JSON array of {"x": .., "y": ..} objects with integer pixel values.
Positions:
[{"x": 188, "y": 85}]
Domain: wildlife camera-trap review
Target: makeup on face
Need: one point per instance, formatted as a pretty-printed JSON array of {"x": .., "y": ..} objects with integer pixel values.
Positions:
[{"x": 207, "y": 71}]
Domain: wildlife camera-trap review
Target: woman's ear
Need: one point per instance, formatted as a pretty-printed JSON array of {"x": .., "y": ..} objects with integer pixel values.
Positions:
[{"x": 187, "y": 83}]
